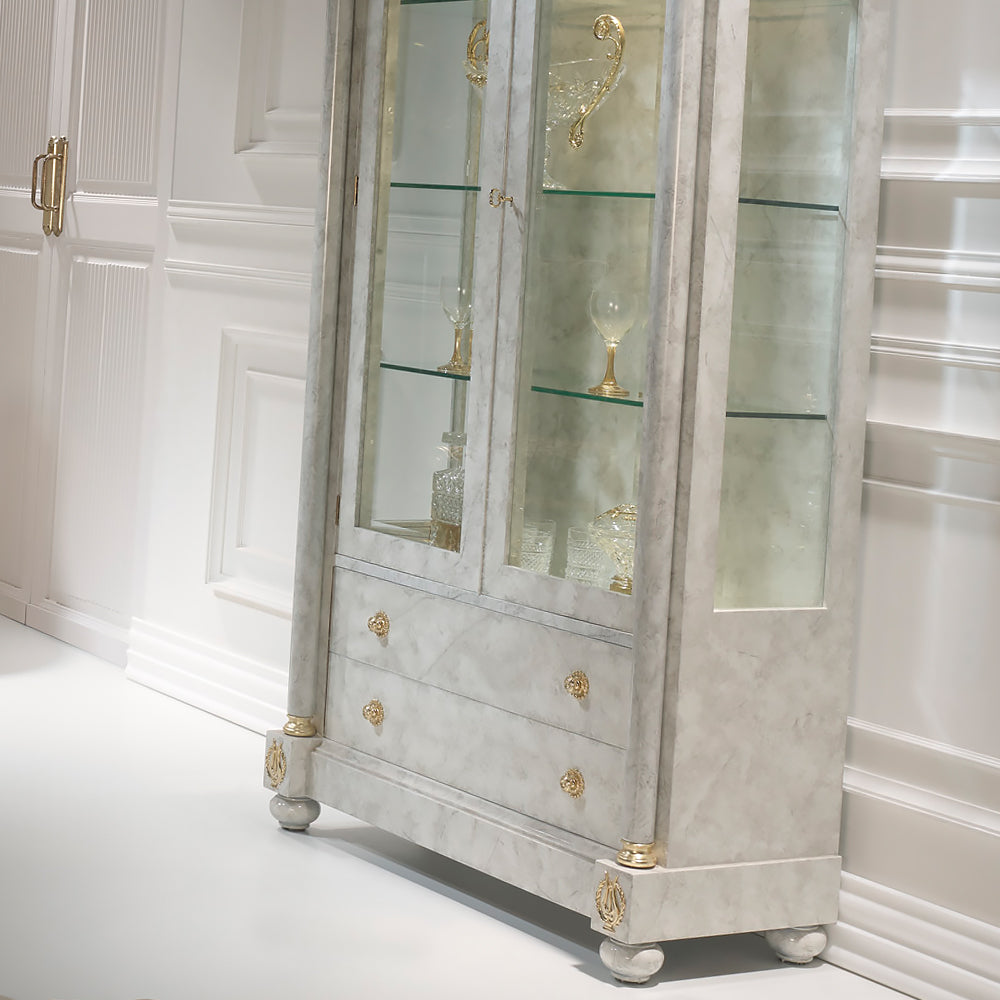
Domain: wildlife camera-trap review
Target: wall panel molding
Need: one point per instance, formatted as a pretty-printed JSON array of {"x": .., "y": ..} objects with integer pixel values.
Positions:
[
  {"x": 218, "y": 681},
  {"x": 914, "y": 946},
  {"x": 964, "y": 269},
  {"x": 256, "y": 474}
]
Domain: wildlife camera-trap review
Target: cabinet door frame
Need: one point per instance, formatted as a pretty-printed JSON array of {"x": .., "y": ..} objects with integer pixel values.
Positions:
[
  {"x": 464, "y": 568},
  {"x": 511, "y": 583}
]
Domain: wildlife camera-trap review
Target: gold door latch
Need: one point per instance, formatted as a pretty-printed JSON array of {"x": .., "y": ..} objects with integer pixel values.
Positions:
[{"x": 53, "y": 189}]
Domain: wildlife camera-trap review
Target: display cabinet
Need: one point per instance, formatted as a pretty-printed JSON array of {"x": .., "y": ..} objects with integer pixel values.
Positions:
[{"x": 582, "y": 465}]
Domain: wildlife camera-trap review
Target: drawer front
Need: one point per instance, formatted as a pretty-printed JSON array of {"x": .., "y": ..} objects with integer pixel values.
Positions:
[
  {"x": 521, "y": 667},
  {"x": 504, "y": 758}
]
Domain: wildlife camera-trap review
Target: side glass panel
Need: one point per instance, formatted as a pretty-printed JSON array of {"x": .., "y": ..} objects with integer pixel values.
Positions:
[
  {"x": 420, "y": 322},
  {"x": 786, "y": 323},
  {"x": 581, "y": 379}
]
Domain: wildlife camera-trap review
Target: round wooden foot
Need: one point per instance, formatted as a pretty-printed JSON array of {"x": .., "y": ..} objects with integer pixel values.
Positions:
[
  {"x": 294, "y": 814},
  {"x": 631, "y": 963},
  {"x": 799, "y": 945}
]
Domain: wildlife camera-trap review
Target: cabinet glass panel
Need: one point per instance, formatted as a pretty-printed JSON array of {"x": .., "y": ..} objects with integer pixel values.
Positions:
[
  {"x": 420, "y": 310},
  {"x": 586, "y": 287},
  {"x": 784, "y": 345}
]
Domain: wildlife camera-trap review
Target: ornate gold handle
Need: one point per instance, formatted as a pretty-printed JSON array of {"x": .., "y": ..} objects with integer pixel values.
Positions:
[
  {"x": 477, "y": 55},
  {"x": 374, "y": 712},
  {"x": 577, "y": 684},
  {"x": 497, "y": 198},
  {"x": 572, "y": 783},
  {"x": 379, "y": 624},
  {"x": 603, "y": 26}
]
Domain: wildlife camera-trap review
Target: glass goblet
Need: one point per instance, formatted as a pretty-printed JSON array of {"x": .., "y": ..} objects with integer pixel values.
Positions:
[
  {"x": 613, "y": 312},
  {"x": 456, "y": 301}
]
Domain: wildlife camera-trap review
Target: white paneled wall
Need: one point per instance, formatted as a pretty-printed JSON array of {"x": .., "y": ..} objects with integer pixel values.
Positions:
[
  {"x": 921, "y": 836},
  {"x": 228, "y": 384}
]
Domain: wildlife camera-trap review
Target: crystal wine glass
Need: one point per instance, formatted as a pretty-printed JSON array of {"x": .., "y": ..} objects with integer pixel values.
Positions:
[
  {"x": 613, "y": 311},
  {"x": 456, "y": 300}
]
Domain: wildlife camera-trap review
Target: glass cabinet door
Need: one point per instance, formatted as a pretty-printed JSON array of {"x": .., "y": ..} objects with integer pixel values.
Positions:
[
  {"x": 411, "y": 371},
  {"x": 575, "y": 350},
  {"x": 784, "y": 346}
]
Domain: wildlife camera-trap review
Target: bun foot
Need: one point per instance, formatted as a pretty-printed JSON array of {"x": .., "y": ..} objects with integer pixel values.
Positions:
[
  {"x": 631, "y": 963},
  {"x": 294, "y": 814},
  {"x": 799, "y": 945}
]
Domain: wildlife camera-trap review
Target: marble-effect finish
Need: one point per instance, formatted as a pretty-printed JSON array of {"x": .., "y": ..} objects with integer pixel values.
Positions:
[
  {"x": 631, "y": 963},
  {"x": 797, "y": 945},
  {"x": 294, "y": 814},
  {"x": 745, "y": 814},
  {"x": 480, "y": 654}
]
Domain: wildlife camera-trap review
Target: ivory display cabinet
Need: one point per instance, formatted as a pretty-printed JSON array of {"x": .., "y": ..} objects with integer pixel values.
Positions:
[{"x": 583, "y": 451}]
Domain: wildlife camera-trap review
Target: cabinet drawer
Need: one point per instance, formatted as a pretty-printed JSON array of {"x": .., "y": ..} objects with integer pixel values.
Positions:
[
  {"x": 494, "y": 658},
  {"x": 498, "y": 756}
]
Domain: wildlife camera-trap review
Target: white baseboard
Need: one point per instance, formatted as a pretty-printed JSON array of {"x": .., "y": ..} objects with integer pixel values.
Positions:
[
  {"x": 914, "y": 946},
  {"x": 11, "y": 607},
  {"x": 235, "y": 688},
  {"x": 90, "y": 634}
]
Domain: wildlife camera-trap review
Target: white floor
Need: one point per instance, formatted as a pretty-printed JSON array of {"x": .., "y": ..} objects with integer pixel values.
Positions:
[{"x": 138, "y": 860}]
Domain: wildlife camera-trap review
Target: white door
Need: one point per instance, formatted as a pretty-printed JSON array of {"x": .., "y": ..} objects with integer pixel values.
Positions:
[{"x": 75, "y": 308}]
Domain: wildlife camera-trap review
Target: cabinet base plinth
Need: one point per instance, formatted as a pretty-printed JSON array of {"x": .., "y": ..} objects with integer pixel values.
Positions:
[
  {"x": 294, "y": 814},
  {"x": 631, "y": 963},
  {"x": 798, "y": 945}
]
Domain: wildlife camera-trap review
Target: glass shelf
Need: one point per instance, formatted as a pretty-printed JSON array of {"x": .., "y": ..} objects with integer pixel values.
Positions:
[
  {"x": 647, "y": 195},
  {"x": 408, "y": 186},
  {"x": 573, "y": 394},
  {"x": 804, "y": 205},
  {"x": 433, "y": 372}
]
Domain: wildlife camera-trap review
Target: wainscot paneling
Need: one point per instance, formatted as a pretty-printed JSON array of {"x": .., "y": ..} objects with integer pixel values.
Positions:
[{"x": 255, "y": 493}]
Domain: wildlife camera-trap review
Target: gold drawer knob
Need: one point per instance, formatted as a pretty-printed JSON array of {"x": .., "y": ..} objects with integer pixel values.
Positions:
[
  {"x": 374, "y": 712},
  {"x": 572, "y": 783},
  {"x": 379, "y": 624},
  {"x": 577, "y": 684}
]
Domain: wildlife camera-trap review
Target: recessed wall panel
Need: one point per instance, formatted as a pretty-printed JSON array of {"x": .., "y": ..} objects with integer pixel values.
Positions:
[
  {"x": 98, "y": 444},
  {"x": 18, "y": 289},
  {"x": 25, "y": 68},
  {"x": 118, "y": 96}
]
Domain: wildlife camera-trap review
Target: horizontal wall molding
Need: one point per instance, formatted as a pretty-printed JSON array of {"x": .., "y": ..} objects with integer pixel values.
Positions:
[
  {"x": 233, "y": 687},
  {"x": 267, "y": 215},
  {"x": 914, "y": 946},
  {"x": 940, "y": 169},
  {"x": 945, "y": 781},
  {"x": 201, "y": 270},
  {"x": 940, "y": 352},
  {"x": 951, "y": 267},
  {"x": 945, "y": 116}
]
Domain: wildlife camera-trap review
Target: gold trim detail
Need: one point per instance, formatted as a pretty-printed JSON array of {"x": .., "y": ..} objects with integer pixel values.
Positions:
[
  {"x": 572, "y": 783},
  {"x": 603, "y": 26},
  {"x": 275, "y": 763},
  {"x": 610, "y": 899},
  {"x": 374, "y": 712},
  {"x": 637, "y": 855},
  {"x": 477, "y": 54},
  {"x": 299, "y": 725},
  {"x": 379, "y": 624},
  {"x": 577, "y": 684}
]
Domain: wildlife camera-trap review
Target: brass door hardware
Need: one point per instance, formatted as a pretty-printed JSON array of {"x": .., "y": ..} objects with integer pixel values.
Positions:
[
  {"x": 53, "y": 187},
  {"x": 572, "y": 783},
  {"x": 379, "y": 624},
  {"x": 497, "y": 198},
  {"x": 577, "y": 684},
  {"x": 374, "y": 712}
]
